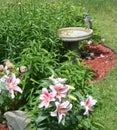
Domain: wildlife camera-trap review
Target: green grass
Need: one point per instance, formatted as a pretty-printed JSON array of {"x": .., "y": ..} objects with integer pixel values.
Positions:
[
  {"x": 106, "y": 90},
  {"x": 104, "y": 12},
  {"x": 106, "y": 93}
]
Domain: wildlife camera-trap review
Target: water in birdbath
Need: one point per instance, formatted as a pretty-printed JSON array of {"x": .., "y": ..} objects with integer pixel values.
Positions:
[{"x": 71, "y": 34}]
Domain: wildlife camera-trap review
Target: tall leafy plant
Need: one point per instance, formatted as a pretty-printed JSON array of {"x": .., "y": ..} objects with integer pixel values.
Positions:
[{"x": 24, "y": 21}]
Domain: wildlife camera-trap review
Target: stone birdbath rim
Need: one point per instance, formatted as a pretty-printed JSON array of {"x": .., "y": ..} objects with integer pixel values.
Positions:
[{"x": 71, "y": 34}]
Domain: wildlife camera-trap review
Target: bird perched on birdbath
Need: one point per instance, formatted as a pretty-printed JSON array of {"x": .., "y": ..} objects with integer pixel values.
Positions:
[{"x": 88, "y": 21}]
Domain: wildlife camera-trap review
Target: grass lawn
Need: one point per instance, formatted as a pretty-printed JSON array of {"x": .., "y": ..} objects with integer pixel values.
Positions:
[{"x": 106, "y": 90}]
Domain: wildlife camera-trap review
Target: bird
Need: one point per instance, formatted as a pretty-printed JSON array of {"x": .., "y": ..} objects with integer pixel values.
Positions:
[{"x": 88, "y": 21}]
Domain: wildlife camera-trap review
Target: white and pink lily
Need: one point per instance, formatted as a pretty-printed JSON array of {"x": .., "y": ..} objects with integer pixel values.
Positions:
[
  {"x": 61, "y": 109},
  {"x": 59, "y": 90},
  {"x": 88, "y": 104},
  {"x": 12, "y": 85},
  {"x": 57, "y": 80},
  {"x": 46, "y": 98}
]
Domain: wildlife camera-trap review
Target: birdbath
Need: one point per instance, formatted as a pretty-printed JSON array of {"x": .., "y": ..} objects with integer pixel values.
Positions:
[{"x": 72, "y": 36}]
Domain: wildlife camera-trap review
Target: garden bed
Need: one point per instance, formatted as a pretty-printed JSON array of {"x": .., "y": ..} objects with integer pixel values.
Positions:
[{"x": 103, "y": 61}]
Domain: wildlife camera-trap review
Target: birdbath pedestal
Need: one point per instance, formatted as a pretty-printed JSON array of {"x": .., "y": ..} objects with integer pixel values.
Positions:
[{"x": 72, "y": 35}]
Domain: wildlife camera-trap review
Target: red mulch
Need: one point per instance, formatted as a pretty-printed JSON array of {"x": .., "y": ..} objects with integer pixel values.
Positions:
[
  {"x": 3, "y": 127},
  {"x": 101, "y": 65}
]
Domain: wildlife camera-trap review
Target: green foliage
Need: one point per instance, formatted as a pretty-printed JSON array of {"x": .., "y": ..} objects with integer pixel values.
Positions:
[
  {"x": 28, "y": 36},
  {"x": 77, "y": 74},
  {"x": 22, "y": 22}
]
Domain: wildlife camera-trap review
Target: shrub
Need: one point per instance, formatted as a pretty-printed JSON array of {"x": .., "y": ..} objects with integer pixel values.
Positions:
[{"x": 39, "y": 21}]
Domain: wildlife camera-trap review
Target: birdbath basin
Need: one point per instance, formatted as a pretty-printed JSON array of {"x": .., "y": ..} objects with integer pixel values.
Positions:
[{"x": 71, "y": 35}]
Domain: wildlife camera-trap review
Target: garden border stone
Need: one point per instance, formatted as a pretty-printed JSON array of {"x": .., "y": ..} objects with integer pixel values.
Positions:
[{"x": 17, "y": 120}]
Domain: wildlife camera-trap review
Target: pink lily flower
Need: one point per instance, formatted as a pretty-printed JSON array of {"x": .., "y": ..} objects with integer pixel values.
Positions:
[
  {"x": 88, "y": 104},
  {"x": 101, "y": 56},
  {"x": 102, "y": 39},
  {"x": 59, "y": 90},
  {"x": 46, "y": 98},
  {"x": 58, "y": 80},
  {"x": 61, "y": 109},
  {"x": 90, "y": 42},
  {"x": 11, "y": 84}
]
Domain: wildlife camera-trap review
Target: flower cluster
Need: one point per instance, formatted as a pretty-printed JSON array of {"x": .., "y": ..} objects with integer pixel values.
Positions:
[
  {"x": 91, "y": 55},
  {"x": 8, "y": 80},
  {"x": 58, "y": 92},
  {"x": 90, "y": 42}
]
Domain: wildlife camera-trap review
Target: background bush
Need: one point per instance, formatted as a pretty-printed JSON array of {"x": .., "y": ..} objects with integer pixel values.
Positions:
[{"x": 29, "y": 20}]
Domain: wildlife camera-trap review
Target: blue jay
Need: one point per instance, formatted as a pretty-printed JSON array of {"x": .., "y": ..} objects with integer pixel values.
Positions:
[{"x": 88, "y": 20}]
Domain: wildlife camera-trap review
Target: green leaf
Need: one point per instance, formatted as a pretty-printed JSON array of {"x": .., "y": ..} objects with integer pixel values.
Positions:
[
  {"x": 1, "y": 100},
  {"x": 40, "y": 119},
  {"x": 99, "y": 125},
  {"x": 3, "y": 86}
]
